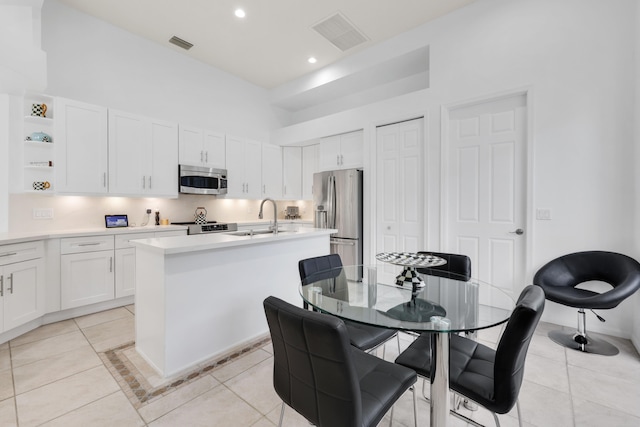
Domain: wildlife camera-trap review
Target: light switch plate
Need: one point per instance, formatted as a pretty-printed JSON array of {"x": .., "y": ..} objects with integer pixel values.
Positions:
[
  {"x": 43, "y": 213},
  {"x": 543, "y": 214}
]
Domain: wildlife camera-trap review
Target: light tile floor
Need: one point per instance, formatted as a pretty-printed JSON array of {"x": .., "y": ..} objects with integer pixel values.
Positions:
[{"x": 53, "y": 376}]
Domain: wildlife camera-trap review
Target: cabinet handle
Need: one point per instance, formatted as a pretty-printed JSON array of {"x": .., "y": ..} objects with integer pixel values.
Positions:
[
  {"x": 144, "y": 182},
  {"x": 10, "y": 278},
  {"x": 1, "y": 286},
  {"x": 338, "y": 159},
  {"x": 89, "y": 244},
  {"x": 206, "y": 157},
  {"x": 104, "y": 179},
  {"x": 111, "y": 264},
  {"x": 9, "y": 254},
  {"x": 149, "y": 182},
  {"x": 201, "y": 156},
  {"x": 247, "y": 187},
  {"x": 264, "y": 189}
]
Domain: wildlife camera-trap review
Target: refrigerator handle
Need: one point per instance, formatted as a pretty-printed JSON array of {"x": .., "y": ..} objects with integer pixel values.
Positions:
[{"x": 331, "y": 198}]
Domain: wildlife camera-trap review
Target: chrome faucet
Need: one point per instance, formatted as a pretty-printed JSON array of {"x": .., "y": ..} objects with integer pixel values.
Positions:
[{"x": 274, "y": 228}]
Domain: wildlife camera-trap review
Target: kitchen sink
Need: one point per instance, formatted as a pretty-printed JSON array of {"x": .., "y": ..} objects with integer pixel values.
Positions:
[{"x": 256, "y": 232}]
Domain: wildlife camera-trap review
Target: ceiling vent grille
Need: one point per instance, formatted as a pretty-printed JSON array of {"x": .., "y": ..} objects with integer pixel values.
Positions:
[
  {"x": 180, "y": 43},
  {"x": 340, "y": 32}
]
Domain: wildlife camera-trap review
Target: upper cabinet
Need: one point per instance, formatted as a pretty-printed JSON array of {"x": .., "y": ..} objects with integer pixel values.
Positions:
[
  {"x": 244, "y": 168},
  {"x": 143, "y": 155},
  {"x": 342, "y": 151},
  {"x": 292, "y": 173},
  {"x": 271, "y": 171},
  {"x": 81, "y": 147},
  {"x": 201, "y": 147},
  {"x": 310, "y": 165}
]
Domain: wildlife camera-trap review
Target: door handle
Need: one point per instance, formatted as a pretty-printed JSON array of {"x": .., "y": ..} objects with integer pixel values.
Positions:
[
  {"x": 338, "y": 242},
  {"x": 518, "y": 231}
]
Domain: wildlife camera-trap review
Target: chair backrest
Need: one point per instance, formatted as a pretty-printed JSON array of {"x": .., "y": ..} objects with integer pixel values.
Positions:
[
  {"x": 313, "y": 370},
  {"x": 618, "y": 270},
  {"x": 512, "y": 348},
  {"x": 320, "y": 267},
  {"x": 457, "y": 266}
]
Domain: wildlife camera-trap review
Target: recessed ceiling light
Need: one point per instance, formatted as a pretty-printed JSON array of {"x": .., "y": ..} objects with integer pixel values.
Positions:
[
  {"x": 240, "y": 13},
  {"x": 312, "y": 60}
]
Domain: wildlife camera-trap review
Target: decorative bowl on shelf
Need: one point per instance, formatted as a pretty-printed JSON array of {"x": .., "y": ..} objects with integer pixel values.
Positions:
[{"x": 40, "y": 137}]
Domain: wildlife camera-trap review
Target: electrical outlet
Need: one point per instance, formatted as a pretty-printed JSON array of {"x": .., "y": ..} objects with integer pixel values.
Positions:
[
  {"x": 43, "y": 213},
  {"x": 543, "y": 214}
]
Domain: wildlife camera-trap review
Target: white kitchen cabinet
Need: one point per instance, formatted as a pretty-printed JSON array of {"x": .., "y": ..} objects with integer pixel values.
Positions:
[
  {"x": 81, "y": 147},
  {"x": 143, "y": 155},
  {"x": 244, "y": 168},
  {"x": 22, "y": 285},
  {"x": 292, "y": 173},
  {"x": 342, "y": 151},
  {"x": 86, "y": 270},
  {"x": 272, "y": 171},
  {"x": 310, "y": 165},
  {"x": 201, "y": 147}
]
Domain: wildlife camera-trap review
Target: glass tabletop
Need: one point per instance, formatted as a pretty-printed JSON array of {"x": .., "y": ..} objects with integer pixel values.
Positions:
[{"x": 443, "y": 304}]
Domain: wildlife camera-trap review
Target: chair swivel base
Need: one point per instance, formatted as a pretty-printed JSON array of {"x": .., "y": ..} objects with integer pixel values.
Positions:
[{"x": 574, "y": 341}]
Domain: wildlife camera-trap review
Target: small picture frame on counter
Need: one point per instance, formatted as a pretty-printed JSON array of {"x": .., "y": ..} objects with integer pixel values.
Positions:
[{"x": 116, "y": 221}]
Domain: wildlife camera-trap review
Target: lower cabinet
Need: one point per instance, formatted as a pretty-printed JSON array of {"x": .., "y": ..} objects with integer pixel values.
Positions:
[
  {"x": 22, "y": 285},
  {"x": 86, "y": 278},
  {"x": 125, "y": 272}
]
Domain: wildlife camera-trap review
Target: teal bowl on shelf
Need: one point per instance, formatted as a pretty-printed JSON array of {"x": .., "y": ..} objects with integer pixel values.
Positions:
[{"x": 40, "y": 137}]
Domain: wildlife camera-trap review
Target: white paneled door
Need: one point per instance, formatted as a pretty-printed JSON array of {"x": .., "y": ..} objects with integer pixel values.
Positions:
[
  {"x": 399, "y": 190},
  {"x": 485, "y": 190}
]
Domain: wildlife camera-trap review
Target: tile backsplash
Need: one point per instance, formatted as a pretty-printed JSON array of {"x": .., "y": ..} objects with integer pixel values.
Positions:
[{"x": 78, "y": 212}]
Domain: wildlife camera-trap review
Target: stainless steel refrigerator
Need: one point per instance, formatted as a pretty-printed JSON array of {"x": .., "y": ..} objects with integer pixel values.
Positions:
[{"x": 337, "y": 201}]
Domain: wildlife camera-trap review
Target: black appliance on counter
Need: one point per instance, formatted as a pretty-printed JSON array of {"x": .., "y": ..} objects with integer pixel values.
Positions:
[{"x": 209, "y": 227}]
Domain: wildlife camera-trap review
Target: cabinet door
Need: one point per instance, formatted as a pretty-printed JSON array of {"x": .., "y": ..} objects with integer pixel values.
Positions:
[
  {"x": 253, "y": 169},
  {"x": 330, "y": 153},
  {"x": 310, "y": 165},
  {"x": 191, "y": 152},
  {"x": 128, "y": 140},
  {"x": 271, "y": 171},
  {"x": 351, "y": 150},
  {"x": 292, "y": 172},
  {"x": 86, "y": 278},
  {"x": 214, "y": 150},
  {"x": 81, "y": 138},
  {"x": 235, "y": 167},
  {"x": 24, "y": 290},
  {"x": 162, "y": 153},
  {"x": 125, "y": 279}
]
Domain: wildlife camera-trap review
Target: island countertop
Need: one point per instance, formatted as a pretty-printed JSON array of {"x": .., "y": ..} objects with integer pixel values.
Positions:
[{"x": 203, "y": 242}]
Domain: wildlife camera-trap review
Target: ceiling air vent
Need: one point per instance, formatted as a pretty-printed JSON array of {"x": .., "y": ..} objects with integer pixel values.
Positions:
[
  {"x": 180, "y": 43},
  {"x": 340, "y": 32}
]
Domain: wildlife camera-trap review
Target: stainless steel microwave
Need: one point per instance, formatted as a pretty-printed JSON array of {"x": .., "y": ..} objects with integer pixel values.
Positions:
[{"x": 202, "y": 180}]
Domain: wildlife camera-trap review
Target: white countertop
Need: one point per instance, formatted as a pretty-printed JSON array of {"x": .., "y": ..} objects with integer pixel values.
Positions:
[
  {"x": 8, "y": 238},
  {"x": 203, "y": 242}
]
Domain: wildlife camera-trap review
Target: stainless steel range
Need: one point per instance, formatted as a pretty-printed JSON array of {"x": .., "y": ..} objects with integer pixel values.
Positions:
[{"x": 209, "y": 227}]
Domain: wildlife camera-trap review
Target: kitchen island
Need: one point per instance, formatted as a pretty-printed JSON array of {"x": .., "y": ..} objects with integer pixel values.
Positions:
[{"x": 200, "y": 297}]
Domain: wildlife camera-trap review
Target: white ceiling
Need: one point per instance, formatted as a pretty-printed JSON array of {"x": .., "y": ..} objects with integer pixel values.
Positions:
[{"x": 271, "y": 45}]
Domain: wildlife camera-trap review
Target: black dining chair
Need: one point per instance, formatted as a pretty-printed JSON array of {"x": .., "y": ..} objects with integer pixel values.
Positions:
[
  {"x": 318, "y": 373},
  {"x": 325, "y": 270},
  {"x": 560, "y": 277},
  {"x": 491, "y": 378},
  {"x": 457, "y": 266}
]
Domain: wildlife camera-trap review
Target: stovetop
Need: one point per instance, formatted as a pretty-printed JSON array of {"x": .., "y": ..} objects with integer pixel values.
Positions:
[{"x": 209, "y": 227}]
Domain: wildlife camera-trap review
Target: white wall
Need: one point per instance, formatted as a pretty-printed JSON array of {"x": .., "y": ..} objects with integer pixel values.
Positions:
[
  {"x": 577, "y": 57},
  {"x": 93, "y": 61}
]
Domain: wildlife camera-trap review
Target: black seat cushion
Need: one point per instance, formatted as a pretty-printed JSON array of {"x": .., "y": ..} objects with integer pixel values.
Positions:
[
  {"x": 489, "y": 377},
  {"x": 457, "y": 267},
  {"x": 559, "y": 278},
  {"x": 325, "y": 379}
]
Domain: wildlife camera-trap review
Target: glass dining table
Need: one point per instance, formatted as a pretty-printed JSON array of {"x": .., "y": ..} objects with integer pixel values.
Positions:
[{"x": 442, "y": 306}]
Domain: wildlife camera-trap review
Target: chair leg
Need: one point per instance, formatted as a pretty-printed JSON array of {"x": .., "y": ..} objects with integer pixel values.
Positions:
[
  {"x": 519, "y": 413},
  {"x": 391, "y": 417},
  {"x": 495, "y": 417},
  {"x": 415, "y": 407},
  {"x": 398, "y": 339},
  {"x": 281, "y": 415}
]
